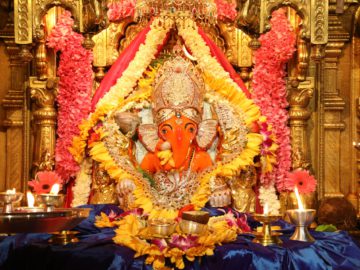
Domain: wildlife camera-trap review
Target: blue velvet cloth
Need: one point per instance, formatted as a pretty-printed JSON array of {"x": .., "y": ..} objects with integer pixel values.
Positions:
[{"x": 97, "y": 251}]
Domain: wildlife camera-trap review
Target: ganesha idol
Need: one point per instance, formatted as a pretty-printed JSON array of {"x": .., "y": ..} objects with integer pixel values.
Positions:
[{"x": 175, "y": 141}]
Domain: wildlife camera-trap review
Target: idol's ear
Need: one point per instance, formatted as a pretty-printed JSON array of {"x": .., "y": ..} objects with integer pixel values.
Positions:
[
  {"x": 148, "y": 135},
  {"x": 206, "y": 133}
]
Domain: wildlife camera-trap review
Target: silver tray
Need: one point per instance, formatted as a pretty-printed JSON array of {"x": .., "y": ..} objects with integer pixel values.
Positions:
[{"x": 42, "y": 222}]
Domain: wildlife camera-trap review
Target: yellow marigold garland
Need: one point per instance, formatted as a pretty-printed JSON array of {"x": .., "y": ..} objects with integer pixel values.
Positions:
[{"x": 132, "y": 232}]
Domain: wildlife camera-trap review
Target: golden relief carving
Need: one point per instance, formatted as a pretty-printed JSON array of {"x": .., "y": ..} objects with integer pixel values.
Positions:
[
  {"x": 299, "y": 98},
  {"x": 303, "y": 7},
  {"x": 40, "y": 8},
  {"x": 103, "y": 187},
  {"x": 107, "y": 43},
  {"x": 319, "y": 21},
  {"x": 243, "y": 196},
  {"x": 23, "y": 21},
  {"x": 43, "y": 93}
]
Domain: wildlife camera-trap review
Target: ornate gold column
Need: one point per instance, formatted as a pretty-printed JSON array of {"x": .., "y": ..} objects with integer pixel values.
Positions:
[
  {"x": 331, "y": 108},
  {"x": 43, "y": 93},
  {"x": 299, "y": 114},
  {"x": 17, "y": 119}
]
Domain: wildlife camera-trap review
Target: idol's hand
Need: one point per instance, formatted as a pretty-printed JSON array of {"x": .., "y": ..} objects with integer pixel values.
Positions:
[
  {"x": 220, "y": 198},
  {"x": 124, "y": 191},
  {"x": 125, "y": 187}
]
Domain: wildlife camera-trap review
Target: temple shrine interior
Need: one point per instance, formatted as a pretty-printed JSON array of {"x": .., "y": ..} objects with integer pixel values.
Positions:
[{"x": 179, "y": 134}]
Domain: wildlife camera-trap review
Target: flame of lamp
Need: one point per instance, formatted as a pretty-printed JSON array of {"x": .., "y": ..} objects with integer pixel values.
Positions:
[
  {"x": 51, "y": 201},
  {"x": 301, "y": 219},
  {"x": 9, "y": 199},
  {"x": 266, "y": 237}
]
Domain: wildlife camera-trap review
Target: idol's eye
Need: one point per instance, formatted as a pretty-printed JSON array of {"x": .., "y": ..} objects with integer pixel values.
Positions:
[
  {"x": 190, "y": 127},
  {"x": 165, "y": 129}
]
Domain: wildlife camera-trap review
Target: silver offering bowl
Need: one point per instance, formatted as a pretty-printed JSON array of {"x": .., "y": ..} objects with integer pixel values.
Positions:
[
  {"x": 301, "y": 219},
  {"x": 266, "y": 237},
  {"x": 51, "y": 201},
  {"x": 191, "y": 227},
  {"x": 161, "y": 227},
  {"x": 9, "y": 199}
]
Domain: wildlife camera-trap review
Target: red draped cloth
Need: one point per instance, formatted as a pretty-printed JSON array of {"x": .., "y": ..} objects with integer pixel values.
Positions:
[
  {"x": 119, "y": 66},
  {"x": 221, "y": 58}
]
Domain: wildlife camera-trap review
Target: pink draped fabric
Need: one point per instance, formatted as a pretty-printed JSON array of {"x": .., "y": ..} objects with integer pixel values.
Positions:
[{"x": 221, "y": 58}]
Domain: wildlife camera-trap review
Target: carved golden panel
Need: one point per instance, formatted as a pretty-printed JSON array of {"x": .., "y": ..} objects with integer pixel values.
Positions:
[
  {"x": 23, "y": 21},
  {"x": 107, "y": 43},
  {"x": 40, "y": 7},
  {"x": 301, "y": 6},
  {"x": 319, "y": 21}
]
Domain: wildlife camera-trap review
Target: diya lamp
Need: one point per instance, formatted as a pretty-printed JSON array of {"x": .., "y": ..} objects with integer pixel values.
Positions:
[
  {"x": 10, "y": 197},
  {"x": 301, "y": 218},
  {"x": 53, "y": 199},
  {"x": 30, "y": 205},
  {"x": 266, "y": 237}
]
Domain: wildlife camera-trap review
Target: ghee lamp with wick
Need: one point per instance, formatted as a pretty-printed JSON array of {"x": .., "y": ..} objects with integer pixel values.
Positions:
[
  {"x": 266, "y": 237},
  {"x": 31, "y": 208},
  {"x": 8, "y": 198},
  {"x": 53, "y": 199},
  {"x": 301, "y": 218}
]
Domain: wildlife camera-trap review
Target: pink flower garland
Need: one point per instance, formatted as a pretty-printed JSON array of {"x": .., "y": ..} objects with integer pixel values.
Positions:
[
  {"x": 120, "y": 10},
  {"x": 269, "y": 92},
  {"x": 226, "y": 9},
  {"x": 74, "y": 98}
]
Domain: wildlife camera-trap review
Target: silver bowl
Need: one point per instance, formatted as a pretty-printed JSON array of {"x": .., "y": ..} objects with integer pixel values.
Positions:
[
  {"x": 191, "y": 227},
  {"x": 161, "y": 227}
]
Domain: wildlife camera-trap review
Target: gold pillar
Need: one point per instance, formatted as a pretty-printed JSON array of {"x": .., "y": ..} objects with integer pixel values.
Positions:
[
  {"x": 17, "y": 119},
  {"x": 332, "y": 106},
  {"x": 43, "y": 93},
  {"x": 299, "y": 114}
]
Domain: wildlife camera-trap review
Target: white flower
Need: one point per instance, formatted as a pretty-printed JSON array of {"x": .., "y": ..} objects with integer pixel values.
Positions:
[{"x": 268, "y": 195}]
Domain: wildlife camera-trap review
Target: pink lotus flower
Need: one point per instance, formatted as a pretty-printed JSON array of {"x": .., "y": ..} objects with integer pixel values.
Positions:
[
  {"x": 183, "y": 242},
  {"x": 44, "y": 181},
  {"x": 304, "y": 182},
  {"x": 160, "y": 243}
]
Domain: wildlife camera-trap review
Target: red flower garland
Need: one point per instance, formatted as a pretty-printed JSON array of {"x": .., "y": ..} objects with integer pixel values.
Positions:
[
  {"x": 74, "y": 98},
  {"x": 226, "y": 9},
  {"x": 269, "y": 92},
  {"x": 121, "y": 10}
]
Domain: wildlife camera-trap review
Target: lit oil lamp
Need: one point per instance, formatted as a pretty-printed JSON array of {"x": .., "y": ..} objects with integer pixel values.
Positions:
[
  {"x": 266, "y": 237},
  {"x": 30, "y": 202},
  {"x": 301, "y": 218},
  {"x": 9, "y": 198},
  {"x": 53, "y": 199}
]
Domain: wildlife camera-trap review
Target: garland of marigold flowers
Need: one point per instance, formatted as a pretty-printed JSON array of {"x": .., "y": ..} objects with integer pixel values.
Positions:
[
  {"x": 269, "y": 92},
  {"x": 74, "y": 97}
]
